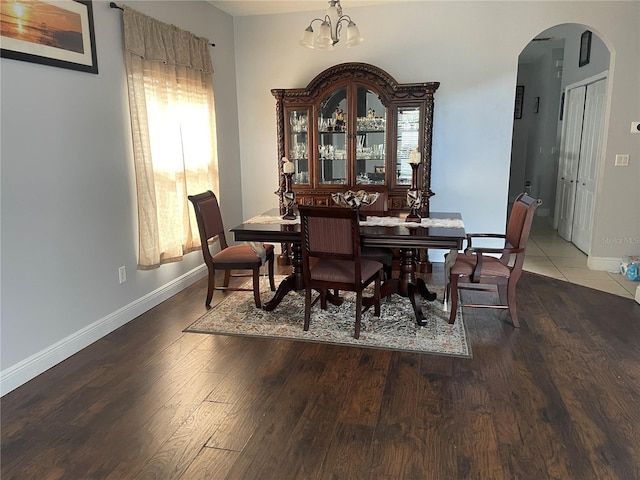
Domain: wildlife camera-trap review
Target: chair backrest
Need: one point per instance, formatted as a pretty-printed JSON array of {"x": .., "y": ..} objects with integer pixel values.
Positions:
[
  {"x": 329, "y": 232},
  {"x": 209, "y": 220},
  {"x": 520, "y": 220}
]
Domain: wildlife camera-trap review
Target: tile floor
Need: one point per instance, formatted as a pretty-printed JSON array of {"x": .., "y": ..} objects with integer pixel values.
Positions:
[{"x": 550, "y": 255}]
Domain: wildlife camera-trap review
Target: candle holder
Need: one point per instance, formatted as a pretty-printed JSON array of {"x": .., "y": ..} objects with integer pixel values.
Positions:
[
  {"x": 414, "y": 196},
  {"x": 288, "y": 198}
]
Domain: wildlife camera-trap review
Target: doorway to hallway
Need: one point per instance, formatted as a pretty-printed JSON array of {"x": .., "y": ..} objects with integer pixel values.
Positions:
[{"x": 548, "y": 67}]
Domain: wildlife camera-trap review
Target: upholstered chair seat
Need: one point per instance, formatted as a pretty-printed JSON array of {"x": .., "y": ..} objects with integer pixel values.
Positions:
[
  {"x": 491, "y": 266},
  {"x": 240, "y": 254},
  {"x": 343, "y": 271}
]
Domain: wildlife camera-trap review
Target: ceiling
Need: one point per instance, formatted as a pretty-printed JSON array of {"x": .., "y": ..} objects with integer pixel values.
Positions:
[{"x": 239, "y": 8}]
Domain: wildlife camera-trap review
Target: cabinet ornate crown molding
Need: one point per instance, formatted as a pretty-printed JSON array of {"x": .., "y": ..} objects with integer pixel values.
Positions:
[{"x": 353, "y": 127}]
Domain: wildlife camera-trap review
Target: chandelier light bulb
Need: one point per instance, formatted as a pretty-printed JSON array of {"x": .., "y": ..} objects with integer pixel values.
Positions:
[
  {"x": 307, "y": 38},
  {"x": 353, "y": 35},
  {"x": 324, "y": 38}
]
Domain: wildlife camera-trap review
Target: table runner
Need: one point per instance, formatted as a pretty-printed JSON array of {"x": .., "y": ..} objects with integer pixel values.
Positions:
[{"x": 371, "y": 221}]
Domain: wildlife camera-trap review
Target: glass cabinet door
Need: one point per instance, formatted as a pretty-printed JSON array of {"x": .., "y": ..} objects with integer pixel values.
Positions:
[
  {"x": 332, "y": 139},
  {"x": 407, "y": 140},
  {"x": 371, "y": 123},
  {"x": 298, "y": 144}
]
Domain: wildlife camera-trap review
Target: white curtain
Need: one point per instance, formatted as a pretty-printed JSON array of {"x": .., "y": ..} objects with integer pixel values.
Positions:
[{"x": 170, "y": 81}]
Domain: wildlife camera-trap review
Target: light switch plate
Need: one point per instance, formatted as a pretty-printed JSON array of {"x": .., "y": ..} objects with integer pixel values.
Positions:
[{"x": 622, "y": 160}]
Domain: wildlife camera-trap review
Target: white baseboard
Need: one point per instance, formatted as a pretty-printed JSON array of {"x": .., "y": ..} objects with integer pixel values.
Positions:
[
  {"x": 606, "y": 264},
  {"x": 23, "y": 371}
]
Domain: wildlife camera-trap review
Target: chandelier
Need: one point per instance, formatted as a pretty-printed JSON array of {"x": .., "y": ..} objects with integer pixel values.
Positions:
[{"x": 330, "y": 28}]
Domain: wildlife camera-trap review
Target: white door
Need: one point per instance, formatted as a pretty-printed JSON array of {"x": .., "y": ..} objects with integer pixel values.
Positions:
[
  {"x": 569, "y": 158},
  {"x": 587, "y": 168}
]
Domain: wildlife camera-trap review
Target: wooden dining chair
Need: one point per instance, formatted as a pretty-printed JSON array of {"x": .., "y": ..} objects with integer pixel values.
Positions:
[
  {"x": 230, "y": 257},
  {"x": 476, "y": 266},
  {"x": 331, "y": 259}
]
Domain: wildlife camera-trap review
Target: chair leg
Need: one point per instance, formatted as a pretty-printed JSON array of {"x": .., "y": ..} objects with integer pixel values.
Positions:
[
  {"x": 227, "y": 277},
  {"x": 356, "y": 333},
  {"x": 272, "y": 282},
  {"x": 447, "y": 293},
  {"x": 512, "y": 304},
  {"x": 387, "y": 275},
  {"x": 388, "y": 272},
  {"x": 256, "y": 287},
  {"x": 376, "y": 298},
  {"x": 210, "y": 287},
  {"x": 502, "y": 294},
  {"x": 307, "y": 308},
  {"x": 453, "y": 293}
]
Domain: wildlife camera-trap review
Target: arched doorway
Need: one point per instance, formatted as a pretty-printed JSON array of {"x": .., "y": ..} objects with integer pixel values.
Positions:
[{"x": 556, "y": 60}]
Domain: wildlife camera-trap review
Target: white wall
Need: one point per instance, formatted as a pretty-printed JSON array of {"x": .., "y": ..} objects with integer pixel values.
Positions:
[
  {"x": 68, "y": 199},
  {"x": 472, "y": 48}
]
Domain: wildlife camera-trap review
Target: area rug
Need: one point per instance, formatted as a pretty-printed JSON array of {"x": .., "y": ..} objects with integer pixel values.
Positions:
[{"x": 395, "y": 329}]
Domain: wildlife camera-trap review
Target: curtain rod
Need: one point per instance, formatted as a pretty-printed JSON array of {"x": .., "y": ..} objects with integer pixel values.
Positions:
[{"x": 115, "y": 5}]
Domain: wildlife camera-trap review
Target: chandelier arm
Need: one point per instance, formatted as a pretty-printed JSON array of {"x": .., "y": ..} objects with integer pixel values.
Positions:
[
  {"x": 318, "y": 20},
  {"x": 343, "y": 18}
]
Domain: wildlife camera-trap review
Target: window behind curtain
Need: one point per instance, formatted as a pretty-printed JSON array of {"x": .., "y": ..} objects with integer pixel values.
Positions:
[{"x": 170, "y": 81}]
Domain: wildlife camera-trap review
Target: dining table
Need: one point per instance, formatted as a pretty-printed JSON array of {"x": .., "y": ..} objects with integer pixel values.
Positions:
[{"x": 440, "y": 230}]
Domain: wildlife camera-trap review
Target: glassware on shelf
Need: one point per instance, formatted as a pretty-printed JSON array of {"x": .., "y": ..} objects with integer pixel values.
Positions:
[
  {"x": 365, "y": 124},
  {"x": 302, "y": 177},
  {"x": 298, "y": 145},
  {"x": 298, "y": 152},
  {"x": 407, "y": 139},
  {"x": 298, "y": 121},
  {"x": 369, "y": 153}
]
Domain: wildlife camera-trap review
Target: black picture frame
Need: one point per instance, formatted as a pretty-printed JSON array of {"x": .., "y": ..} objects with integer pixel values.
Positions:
[
  {"x": 585, "y": 48},
  {"x": 67, "y": 43},
  {"x": 517, "y": 112}
]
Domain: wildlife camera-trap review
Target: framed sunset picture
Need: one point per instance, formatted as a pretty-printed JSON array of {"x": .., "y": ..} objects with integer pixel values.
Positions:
[{"x": 56, "y": 33}]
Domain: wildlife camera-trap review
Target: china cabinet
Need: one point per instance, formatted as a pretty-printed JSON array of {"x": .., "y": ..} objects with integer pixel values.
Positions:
[{"x": 353, "y": 127}]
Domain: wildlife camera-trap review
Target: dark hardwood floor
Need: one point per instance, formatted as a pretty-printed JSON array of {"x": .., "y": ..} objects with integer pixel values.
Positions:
[{"x": 557, "y": 399}]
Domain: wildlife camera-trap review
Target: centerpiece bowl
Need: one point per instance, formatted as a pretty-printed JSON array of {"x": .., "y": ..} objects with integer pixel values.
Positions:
[{"x": 355, "y": 200}]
